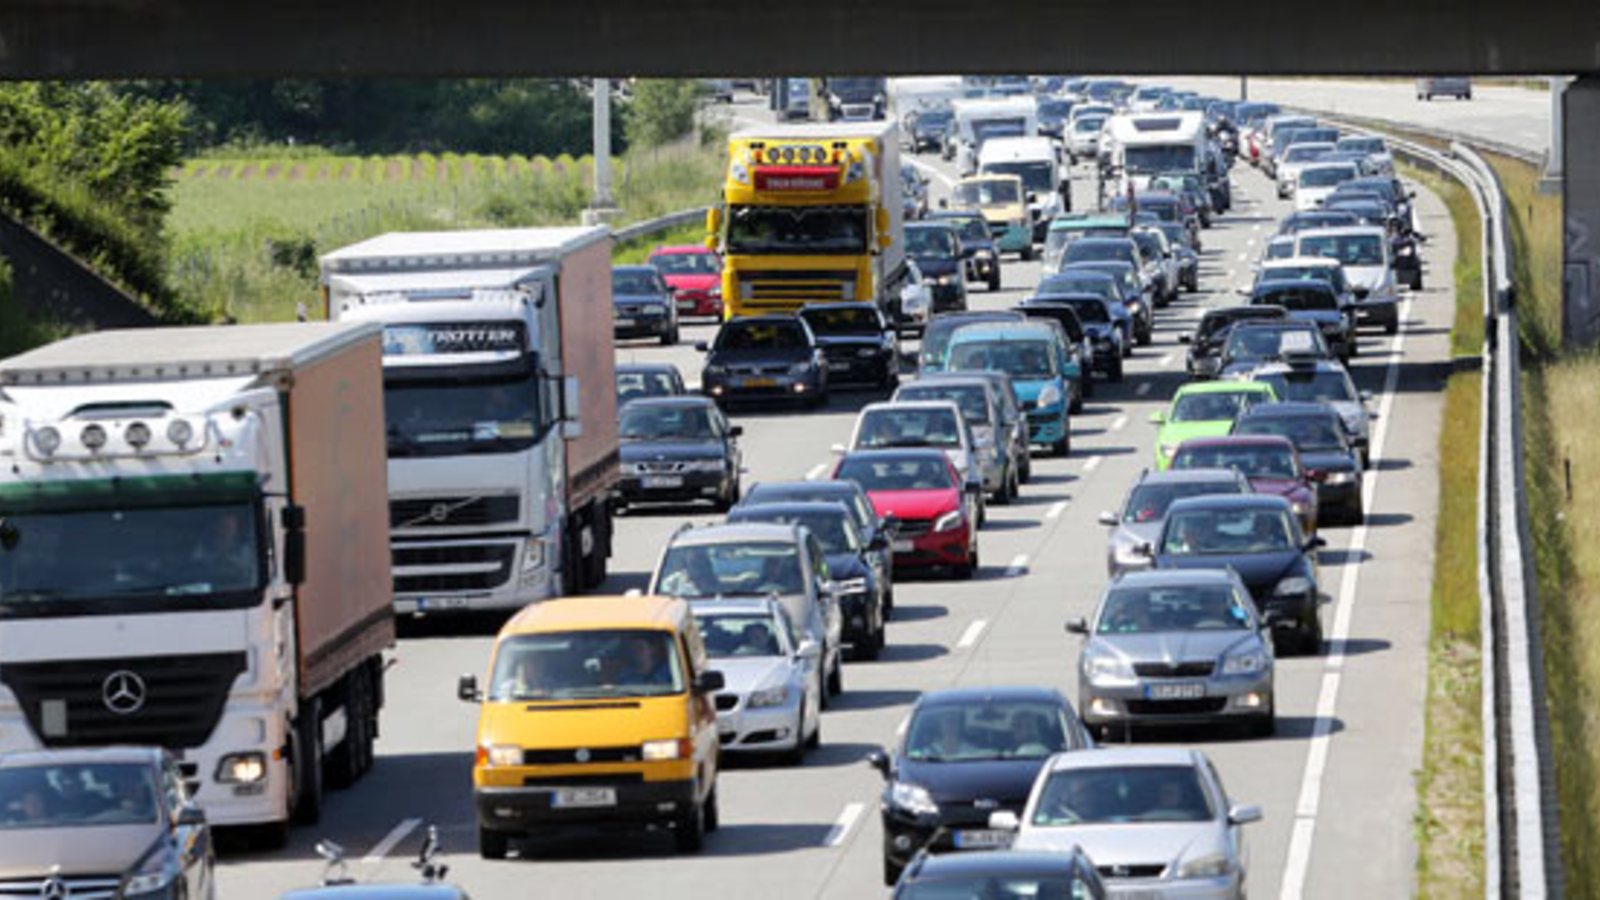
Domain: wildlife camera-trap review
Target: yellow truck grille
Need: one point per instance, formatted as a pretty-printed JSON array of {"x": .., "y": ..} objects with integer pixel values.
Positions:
[{"x": 789, "y": 290}]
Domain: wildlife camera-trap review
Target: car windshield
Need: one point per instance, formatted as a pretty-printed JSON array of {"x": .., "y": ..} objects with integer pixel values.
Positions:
[
  {"x": 1326, "y": 176},
  {"x": 1089, "y": 312},
  {"x": 1149, "y": 244},
  {"x": 1350, "y": 249},
  {"x": 799, "y": 230},
  {"x": 1247, "y": 344},
  {"x": 634, "y": 282},
  {"x": 988, "y": 192},
  {"x": 993, "y": 887},
  {"x": 77, "y": 795},
  {"x": 1022, "y": 360},
  {"x": 986, "y": 730},
  {"x": 634, "y": 385},
  {"x": 1149, "y": 502},
  {"x": 1068, "y": 283},
  {"x": 1096, "y": 251},
  {"x": 1187, "y": 607},
  {"x": 739, "y": 635},
  {"x": 738, "y": 335},
  {"x": 1159, "y": 158},
  {"x": 1213, "y": 406},
  {"x": 426, "y": 417},
  {"x": 1297, "y": 299},
  {"x": 1303, "y": 152},
  {"x": 1307, "y": 432},
  {"x": 1313, "y": 387},
  {"x": 972, "y": 229},
  {"x": 936, "y": 338},
  {"x": 1211, "y": 532},
  {"x": 934, "y": 118},
  {"x": 854, "y": 321},
  {"x": 735, "y": 568},
  {"x": 686, "y": 263},
  {"x": 660, "y": 422},
  {"x": 925, "y": 473},
  {"x": 575, "y": 665},
  {"x": 970, "y": 397},
  {"x": 1035, "y": 175},
  {"x": 834, "y": 531},
  {"x": 1122, "y": 795},
  {"x": 1362, "y": 145},
  {"x": 893, "y": 426},
  {"x": 935, "y": 242},
  {"x": 1253, "y": 460},
  {"x": 1088, "y": 124}
]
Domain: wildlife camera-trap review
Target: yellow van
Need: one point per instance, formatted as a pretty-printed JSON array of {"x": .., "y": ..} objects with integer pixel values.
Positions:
[{"x": 597, "y": 711}]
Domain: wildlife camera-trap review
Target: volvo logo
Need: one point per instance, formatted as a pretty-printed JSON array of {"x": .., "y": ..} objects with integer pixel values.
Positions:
[
  {"x": 123, "y": 692},
  {"x": 440, "y": 512},
  {"x": 53, "y": 889},
  {"x": 582, "y": 755}
]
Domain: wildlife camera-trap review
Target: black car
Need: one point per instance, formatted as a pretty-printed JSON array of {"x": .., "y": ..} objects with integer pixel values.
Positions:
[
  {"x": 1205, "y": 344},
  {"x": 1106, "y": 285},
  {"x": 1331, "y": 459},
  {"x": 765, "y": 358},
  {"x": 1251, "y": 344},
  {"x": 1317, "y": 302},
  {"x": 925, "y": 128},
  {"x": 967, "y": 753},
  {"x": 861, "y": 592},
  {"x": 678, "y": 450},
  {"x": 642, "y": 304},
  {"x": 638, "y": 380},
  {"x": 936, "y": 249},
  {"x": 936, "y": 336},
  {"x": 876, "y": 533},
  {"x": 977, "y": 245},
  {"x": 1259, "y": 537},
  {"x": 1099, "y": 329},
  {"x": 1080, "y": 346},
  {"x": 1048, "y": 875},
  {"x": 860, "y": 345}
]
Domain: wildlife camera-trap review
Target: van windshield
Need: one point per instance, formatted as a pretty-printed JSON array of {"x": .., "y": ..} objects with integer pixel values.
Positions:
[
  {"x": 1159, "y": 158},
  {"x": 1035, "y": 175},
  {"x": 574, "y": 665}
]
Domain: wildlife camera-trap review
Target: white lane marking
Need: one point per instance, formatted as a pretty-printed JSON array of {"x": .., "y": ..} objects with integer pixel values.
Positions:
[
  {"x": 816, "y": 471},
  {"x": 970, "y": 636},
  {"x": 1019, "y": 565},
  {"x": 1142, "y": 389},
  {"x": 1305, "y": 824},
  {"x": 1243, "y": 257},
  {"x": 1091, "y": 464},
  {"x": 1250, "y": 243},
  {"x": 842, "y": 825},
  {"x": 944, "y": 179},
  {"x": 1166, "y": 361},
  {"x": 1256, "y": 227},
  {"x": 391, "y": 840},
  {"x": 1060, "y": 506},
  {"x": 1118, "y": 423}
]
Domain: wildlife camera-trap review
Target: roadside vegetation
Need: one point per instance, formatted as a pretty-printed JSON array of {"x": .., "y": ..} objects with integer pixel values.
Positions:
[{"x": 638, "y": 250}]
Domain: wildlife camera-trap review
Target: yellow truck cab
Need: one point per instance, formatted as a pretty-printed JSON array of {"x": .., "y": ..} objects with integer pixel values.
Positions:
[
  {"x": 597, "y": 711},
  {"x": 1004, "y": 204}
]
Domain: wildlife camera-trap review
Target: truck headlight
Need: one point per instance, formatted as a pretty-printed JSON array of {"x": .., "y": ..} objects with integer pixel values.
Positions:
[
  {"x": 775, "y": 696},
  {"x": 242, "y": 768},
  {"x": 532, "y": 556},
  {"x": 505, "y": 755},
  {"x": 662, "y": 751},
  {"x": 913, "y": 799}
]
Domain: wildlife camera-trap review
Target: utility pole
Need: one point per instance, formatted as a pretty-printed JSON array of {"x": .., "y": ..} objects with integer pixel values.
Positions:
[
  {"x": 601, "y": 205},
  {"x": 1244, "y": 87}
]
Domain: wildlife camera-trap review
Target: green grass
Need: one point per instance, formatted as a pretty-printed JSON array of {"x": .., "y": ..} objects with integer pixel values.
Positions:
[
  {"x": 1466, "y": 331},
  {"x": 636, "y": 251},
  {"x": 18, "y": 330}
]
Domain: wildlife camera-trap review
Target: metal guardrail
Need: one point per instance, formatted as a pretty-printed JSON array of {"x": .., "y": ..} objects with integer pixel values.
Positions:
[{"x": 660, "y": 224}]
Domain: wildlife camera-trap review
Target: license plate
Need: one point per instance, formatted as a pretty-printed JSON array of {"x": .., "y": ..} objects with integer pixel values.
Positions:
[
  {"x": 427, "y": 603},
  {"x": 583, "y": 798},
  {"x": 624, "y": 323},
  {"x": 1180, "y": 691},
  {"x": 661, "y": 481},
  {"x": 1134, "y": 894},
  {"x": 982, "y": 839},
  {"x": 904, "y": 546},
  {"x": 758, "y": 382}
]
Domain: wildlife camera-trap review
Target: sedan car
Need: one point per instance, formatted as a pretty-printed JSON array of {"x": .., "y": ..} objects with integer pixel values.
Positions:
[
  {"x": 695, "y": 276},
  {"x": 936, "y": 249},
  {"x": 1156, "y": 821},
  {"x": 859, "y": 589},
  {"x": 966, "y": 753},
  {"x": 1270, "y": 462},
  {"x": 1204, "y": 358},
  {"x": 771, "y": 699},
  {"x": 933, "y": 508},
  {"x": 860, "y": 345},
  {"x": 637, "y": 380},
  {"x": 1320, "y": 438},
  {"x": 765, "y": 358},
  {"x": 1003, "y": 874},
  {"x": 643, "y": 304},
  {"x": 678, "y": 450},
  {"x": 103, "y": 822},
  {"x": 1259, "y": 537},
  {"x": 1202, "y": 409},
  {"x": 1144, "y": 511},
  {"x": 1175, "y": 647}
]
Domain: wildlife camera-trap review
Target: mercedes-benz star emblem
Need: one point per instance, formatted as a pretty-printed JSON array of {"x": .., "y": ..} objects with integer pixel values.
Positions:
[
  {"x": 582, "y": 755},
  {"x": 123, "y": 692},
  {"x": 53, "y": 889}
]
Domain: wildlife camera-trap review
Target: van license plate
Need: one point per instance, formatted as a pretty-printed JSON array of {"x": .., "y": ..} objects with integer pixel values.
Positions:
[
  {"x": 583, "y": 798},
  {"x": 1181, "y": 691},
  {"x": 623, "y": 323}
]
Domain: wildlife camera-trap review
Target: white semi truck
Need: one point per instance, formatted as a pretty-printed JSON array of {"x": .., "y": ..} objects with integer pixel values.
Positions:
[
  {"x": 193, "y": 554},
  {"x": 500, "y": 391}
]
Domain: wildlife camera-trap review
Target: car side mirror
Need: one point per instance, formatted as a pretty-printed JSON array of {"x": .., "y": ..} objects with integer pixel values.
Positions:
[
  {"x": 879, "y": 759},
  {"x": 1244, "y": 815},
  {"x": 709, "y": 682},
  {"x": 808, "y": 649},
  {"x": 1108, "y": 518},
  {"x": 880, "y": 541},
  {"x": 736, "y": 431},
  {"x": 1366, "y": 396},
  {"x": 702, "y": 346},
  {"x": 1185, "y": 338},
  {"x": 1004, "y": 820},
  {"x": 1145, "y": 549},
  {"x": 1077, "y": 626},
  {"x": 190, "y": 816},
  {"x": 1158, "y": 417},
  {"x": 467, "y": 690},
  {"x": 1316, "y": 543}
]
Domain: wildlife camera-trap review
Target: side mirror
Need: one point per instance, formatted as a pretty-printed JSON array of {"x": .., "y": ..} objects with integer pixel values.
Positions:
[
  {"x": 879, "y": 759},
  {"x": 467, "y": 690},
  {"x": 808, "y": 649},
  {"x": 1366, "y": 396},
  {"x": 736, "y": 431},
  {"x": 1004, "y": 820},
  {"x": 709, "y": 682},
  {"x": 191, "y": 817},
  {"x": 1244, "y": 815},
  {"x": 1158, "y": 417},
  {"x": 1185, "y": 338},
  {"x": 1032, "y": 197},
  {"x": 880, "y": 541},
  {"x": 702, "y": 346},
  {"x": 713, "y": 222},
  {"x": 1108, "y": 518},
  {"x": 1077, "y": 626},
  {"x": 1316, "y": 543},
  {"x": 294, "y": 544}
]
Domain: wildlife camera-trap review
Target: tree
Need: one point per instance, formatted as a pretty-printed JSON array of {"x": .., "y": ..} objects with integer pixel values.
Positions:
[{"x": 662, "y": 110}]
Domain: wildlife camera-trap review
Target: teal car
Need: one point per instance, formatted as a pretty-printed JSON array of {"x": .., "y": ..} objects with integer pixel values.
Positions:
[
  {"x": 1204, "y": 409},
  {"x": 1033, "y": 355}
]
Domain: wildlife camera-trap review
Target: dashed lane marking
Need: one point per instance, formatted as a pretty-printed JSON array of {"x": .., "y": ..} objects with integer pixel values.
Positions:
[
  {"x": 842, "y": 825},
  {"x": 1060, "y": 506},
  {"x": 816, "y": 471},
  {"x": 1118, "y": 423},
  {"x": 970, "y": 636},
  {"x": 1019, "y": 565},
  {"x": 1092, "y": 464},
  {"x": 391, "y": 840}
]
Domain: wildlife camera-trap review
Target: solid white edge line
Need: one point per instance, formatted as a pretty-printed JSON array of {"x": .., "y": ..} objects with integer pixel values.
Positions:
[
  {"x": 1058, "y": 507},
  {"x": 391, "y": 840},
  {"x": 970, "y": 636},
  {"x": 816, "y": 471},
  {"x": 1298, "y": 863},
  {"x": 1019, "y": 564},
  {"x": 1091, "y": 464},
  {"x": 843, "y": 824}
]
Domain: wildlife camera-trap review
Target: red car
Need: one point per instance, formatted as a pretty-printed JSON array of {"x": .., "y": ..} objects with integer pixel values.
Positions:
[
  {"x": 919, "y": 488},
  {"x": 1270, "y": 462},
  {"x": 695, "y": 276}
]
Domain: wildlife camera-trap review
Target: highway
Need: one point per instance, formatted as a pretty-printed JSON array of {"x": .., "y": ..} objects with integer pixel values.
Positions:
[{"x": 1336, "y": 784}]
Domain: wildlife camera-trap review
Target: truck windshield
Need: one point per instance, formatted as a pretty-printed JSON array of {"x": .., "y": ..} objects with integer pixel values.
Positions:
[
  {"x": 461, "y": 415},
  {"x": 1035, "y": 175},
  {"x": 814, "y": 230},
  {"x": 1159, "y": 158},
  {"x": 131, "y": 556}
]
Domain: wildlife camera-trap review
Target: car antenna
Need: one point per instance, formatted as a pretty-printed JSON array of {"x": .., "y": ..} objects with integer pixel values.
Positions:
[{"x": 335, "y": 873}]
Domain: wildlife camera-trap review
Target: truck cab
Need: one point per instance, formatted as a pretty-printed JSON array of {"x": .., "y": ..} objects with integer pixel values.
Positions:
[{"x": 1157, "y": 143}]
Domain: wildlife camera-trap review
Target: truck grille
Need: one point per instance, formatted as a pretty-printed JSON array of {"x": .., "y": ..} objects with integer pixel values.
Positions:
[
  {"x": 453, "y": 512},
  {"x": 77, "y": 887},
  {"x": 1174, "y": 670},
  {"x": 792, "y": 289},
  {"x": 167, "y": 701},
  {"x": 455, "y": 567}
]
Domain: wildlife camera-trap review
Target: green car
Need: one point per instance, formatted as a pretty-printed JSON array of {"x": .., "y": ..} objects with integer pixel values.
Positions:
[{"x": 1204, "y": 409}]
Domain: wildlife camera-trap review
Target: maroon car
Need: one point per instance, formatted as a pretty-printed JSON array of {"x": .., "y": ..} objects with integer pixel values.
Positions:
[{"x": 1270, "y": 462}]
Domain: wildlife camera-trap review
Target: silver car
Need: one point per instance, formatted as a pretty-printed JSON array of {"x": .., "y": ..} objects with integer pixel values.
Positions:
[
  {"x": 1145, "y": 508},
  {"x": 771, "y": 700},
  {"x": 1177, "y": 646},
  {"x": 991, "y": 444},
  {"x": 1155, "y": 820}
]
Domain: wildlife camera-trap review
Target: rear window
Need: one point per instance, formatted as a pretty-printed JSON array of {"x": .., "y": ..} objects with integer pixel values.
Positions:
[
  {"x": 850, "y": 320},
  {"x": 908, "y": 427},
  {"x": 969, "y": 397},
  {"x": 1149, "y": 502},
  {"x": 1298, "y": 300}
]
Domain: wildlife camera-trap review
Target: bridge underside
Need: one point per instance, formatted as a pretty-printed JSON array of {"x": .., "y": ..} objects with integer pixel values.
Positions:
[{"x": 222, "y": 38}]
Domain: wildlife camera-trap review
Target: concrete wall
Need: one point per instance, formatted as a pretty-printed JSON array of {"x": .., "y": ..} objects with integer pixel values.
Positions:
[
  {"x": 51, "y": 285},
  {"x": 1580, "y": 307}
]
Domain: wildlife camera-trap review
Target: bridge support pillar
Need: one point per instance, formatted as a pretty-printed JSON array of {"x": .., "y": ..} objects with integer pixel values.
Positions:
[{"x": 1580, "y": 196}]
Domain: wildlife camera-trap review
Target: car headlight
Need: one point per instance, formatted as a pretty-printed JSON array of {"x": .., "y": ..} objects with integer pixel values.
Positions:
[
  {"x": 1244, "y": 663},
  {"x": 773, "y": 696},
  {"x": 242, "y": 768},
  {"x": 1050, "y": 396},
  {"x": 1169, "y": 450},
  {"x": 1127, "y": 553},
  {"x": 1105, "y": 668},
  {"x": 1336, "y": 478},
  {"x": 662, "y": 751},
  {"x": 154, "y": 875},
  {"x": 800, "y": 368},
  {"x": 912, "y": 799},
  {"x": 1215, "y": 865},
  {"x": 1293, "y": 585},
  {"x": 706, "y": 465},
  {"x": 950, "y": 521},
  {"x": 505, "y": 755}
]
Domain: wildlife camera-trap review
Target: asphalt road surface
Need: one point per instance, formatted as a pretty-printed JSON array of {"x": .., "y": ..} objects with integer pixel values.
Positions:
[{"x": 1336, "y": 783}]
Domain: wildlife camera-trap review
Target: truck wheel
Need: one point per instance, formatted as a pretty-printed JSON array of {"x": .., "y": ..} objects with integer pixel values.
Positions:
[
  {"x": 344, "y": 763},
  {"x": 307, "y": 760},
  {"x": 493, "y": 844}
]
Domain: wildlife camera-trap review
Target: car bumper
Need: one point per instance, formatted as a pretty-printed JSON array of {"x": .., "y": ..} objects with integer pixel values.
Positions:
[
  {"x": 1047, "y": 426},
  {"x": 944, "y": 548},
  {"x": 904, "y": 836},
  {"x": 1226, "y": 887},
  {"x": 1379, "y": 310},
  {"x": 673, "y": 488},
  {"x": 979, "y": 268},
  {"x": 764, "y": 730},
  {"x": 530, "y": 809},
  {"x": 641, "y": 326},
  {"x": 735, "y": 388},
  {"x": 698, "y": 303},
  {"x": 1338, "y": 495},
  {"x": 873, "y": 368},
  {"x": 1231, "y": 697}
]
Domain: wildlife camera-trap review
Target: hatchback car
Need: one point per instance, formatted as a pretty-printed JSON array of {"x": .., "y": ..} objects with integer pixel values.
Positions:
[
  {"x": 1320, "y": 438},
  {"x": 765, "y": 358},
  {"x": 936, "y": 339},
  {"x": 695, "y": 276},
  {"x": 935, "y": 424},
  {"x": 1269, "y": 461},
  {"x": 1033, "y": 355},
  {"x": 991, "y": 442},
  {"x": 934, "y": 510},
  {"x": 1202, "y": 409},
  {"x": 1013, "y": 423},
  {"x": 860, "y": 345},
  {"x": 966, "y": 753},
  {"x": 1175, "y": 647},
  {"x": 1320, "y": 381},
  {"x": 678, "y": 450},
  {"x": 771, "y": 697},
  {"x": 637, "y": 380},
  {"x": 1144, "y": 511},
  {"x": 936, "y": 249},
  {"x": 643, "y": 304},
  {"x": 876, "y": 532}
]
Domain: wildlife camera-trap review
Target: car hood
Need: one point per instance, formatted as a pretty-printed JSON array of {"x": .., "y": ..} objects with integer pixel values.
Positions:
[
  {"x": 638, "y": 451},
  {"x": 870, "y": 341},
  {"x": 1354, "y": 415},
  {"x": 1260, "y": 571},
  {"x": 1028, "y": 390},
  {"x": 743, "y": 675},
  {"x": 1174, "y": 646},
  {"x": 1007, "y": 781},
  {"x": 1366, "y": 277},
  {"x": 693, "y": 282},
  {"x": 928, "y": 504},
  {"x": 1135, "y": 533},
  {"x": 108, "y": 850},
  {"x": 1281, "y": 487},
  {"x": 1131, "y": 844},
  {"x": 759, "y": 356}
]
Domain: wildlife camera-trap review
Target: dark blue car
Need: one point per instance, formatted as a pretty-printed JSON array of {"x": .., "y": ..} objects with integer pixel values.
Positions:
[{"x": 642, "y": 304}]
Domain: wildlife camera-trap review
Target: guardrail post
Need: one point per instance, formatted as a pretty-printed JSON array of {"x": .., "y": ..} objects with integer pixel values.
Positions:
[{"x": 1580, "y": 200}]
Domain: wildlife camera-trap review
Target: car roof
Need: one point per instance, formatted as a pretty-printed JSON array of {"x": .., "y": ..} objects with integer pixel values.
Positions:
[
  {"x": 898, "y": 453},
  {"x": 1228, "y": 501},
  {"x": 23, "y": 759},
  {"x": 1186, "y": 476},
  {"x": 818, "y": 487},
  {"x": 1286, "y": 408},
  {"x": 928, "y": 225},
  {"x": 695, "y": 400},
  {"x": 1343, "y": 231},
  {"x": 683, "y": 249},
  {"x": 1168, "y": 577},
  {"x": 790, "y": 507},
  {"x": 727, "y": 533},
  {"x": 737, "y": 606},
  {"x": 764, "y": 319},
  {"x": 635, "y": 267},
  {"x": 646, "y": 367},
  {"x": 1301, "y": 262},
  {"x": 975, "y": 379},
  {"x": 817, "y": 307},
  {"x": 597, "y": 612},
  {"x": 967, "y": 695},
  {"x": 1279, "y": 285},
  {"x": 1221, "y": 386},
  {"x": 1002, "y": 331},
  {"x": 1310, "y": 365},
  {"x": 885, "y": 405},
  {"x": 1018, "y": 863},
  {"x": 1240, "y": 440},
  {"x": 1102, "y": 241},
  {"x": 1107, "y": 757}
]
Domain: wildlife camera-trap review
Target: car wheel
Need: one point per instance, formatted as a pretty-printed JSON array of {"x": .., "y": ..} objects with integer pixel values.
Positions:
[
  {"x": 1115, "y": 376},
  {"x": 1144, "y": 336},
  {"x": 1392, "y": 326},
  {"x": 493, "y": 844},
  {"x": 1027, "y": 466},
  {"x": 994, "y": 279},
  {"x": 836, "y": 679},
  {"x": 814, "y": 740},
  {"x": 1026, "y": 253},
  {"x": 1416, "y": 281},
  {"x": 1311, "y": 640},
  {"x": 689, "y": 831},
  {"x": 1265, "y": 726},
  {"x": 983, "y": 510},
  {"x": 1087, "y": 384},
  {"x": 713, "y": 812},
  {"x": 670, "y": 336},
  {"x": 891, "y": 871},
  {"x": 1356, "y": 514},
  {"x": 1062, "y": 447},
  {"x": 1192, "y": 286}
]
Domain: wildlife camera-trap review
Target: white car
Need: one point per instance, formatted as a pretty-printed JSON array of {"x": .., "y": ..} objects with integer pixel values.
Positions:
[
  {"x": 938, "y": 424},
  {"x": 1315, "y": 181},
  {"x": 1156, "y": 821},
  {"x": 771, "y": 700},
  {"x": 1295, "y": 156},
  {"x": 916, "y": 299}
]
